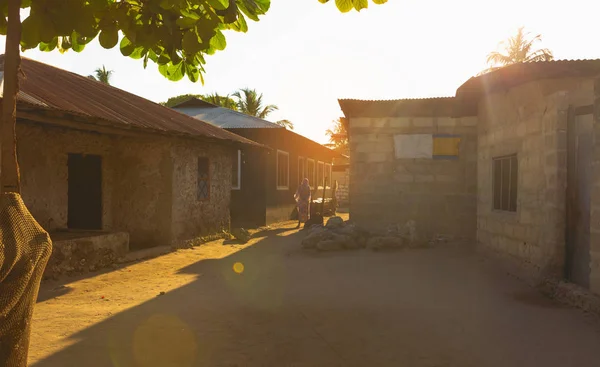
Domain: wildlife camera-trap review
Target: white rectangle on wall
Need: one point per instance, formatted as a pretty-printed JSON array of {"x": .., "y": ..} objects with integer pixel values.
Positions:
[{"x": 413, "y": 146}]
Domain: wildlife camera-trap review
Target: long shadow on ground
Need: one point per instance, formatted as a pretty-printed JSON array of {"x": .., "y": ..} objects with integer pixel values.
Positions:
[{"x": 272, "y": 304}]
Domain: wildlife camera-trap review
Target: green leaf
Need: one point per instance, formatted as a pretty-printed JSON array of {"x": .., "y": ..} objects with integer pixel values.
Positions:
[
  {"x": 126, "y": 46},
  {"x": 3, "y": 24},
  {"x": 172, "y": 72},
  {"x": 65, "y": 44},
  {"x": 360, "y": 4},
  {"x": 47, "y": 47},
  {"x": 109, "y": 37},
  {"x": 379, "y": 2},
  {"x": 219, "y": 4},
  {"x": 30, "y": 33},
  {"x": 186, "y": 23},
  {"x": 78, "y": 42},
  {"x": 138, "y": 53},
  {"x": 344, "y": 5},
  {"x": 190, "y": 42},
  {"x": 192, "y": 72},
  {"x": 218, "y": 42}
]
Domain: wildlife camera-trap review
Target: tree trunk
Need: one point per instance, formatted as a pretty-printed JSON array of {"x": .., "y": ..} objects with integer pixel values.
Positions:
[{"x": 9, "y": 169}]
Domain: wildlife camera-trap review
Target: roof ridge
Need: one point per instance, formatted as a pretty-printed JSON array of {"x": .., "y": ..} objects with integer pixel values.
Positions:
[
  {"x": 234, "y": 111},
  {"x": 397, "y": 99}
]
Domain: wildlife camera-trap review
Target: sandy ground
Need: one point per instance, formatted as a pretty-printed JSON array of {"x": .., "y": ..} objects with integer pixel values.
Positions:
[{"x": 269, "y": 303}]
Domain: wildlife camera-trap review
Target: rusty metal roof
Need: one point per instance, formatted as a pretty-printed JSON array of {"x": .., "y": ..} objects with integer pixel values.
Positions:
[{"x": 50, "y": 87}]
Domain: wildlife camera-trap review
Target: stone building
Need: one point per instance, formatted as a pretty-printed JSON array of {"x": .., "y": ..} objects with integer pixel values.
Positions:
[
  {"x": 98, "y": 159},
  {"x": 267, "y": 180},
  {"x": 511, "y": 161}
]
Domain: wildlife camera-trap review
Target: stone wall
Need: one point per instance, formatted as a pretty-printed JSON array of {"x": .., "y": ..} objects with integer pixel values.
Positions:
[
  {"x": 438, "y": 194},
  {"x": 529, "y": 120},
  {"x": 193, "y": 217},
  {"x": 142, "y": 186},
  {"x": 42, "y": 154},
  {"x": 595, "y": 207},
  {"x": 136, "y": 180}
]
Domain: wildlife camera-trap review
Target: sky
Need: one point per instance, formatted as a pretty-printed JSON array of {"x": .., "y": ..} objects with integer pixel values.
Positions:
[{"x": 304, "y": 55}]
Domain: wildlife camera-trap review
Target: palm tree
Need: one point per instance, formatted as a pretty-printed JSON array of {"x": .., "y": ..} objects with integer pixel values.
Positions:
[
  {"x": 102, "y": 75},
  {"x": 338, "y": 136},
  {"x": 518, "y": 49},
  {"x": 222, "y": 101},
  {"x": 250, "y": 103},
  {"x": 286, "y": 123}
]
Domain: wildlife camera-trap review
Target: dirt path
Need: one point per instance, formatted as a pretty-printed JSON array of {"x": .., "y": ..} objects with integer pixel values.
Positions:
[{"x": 269, "y": 303}]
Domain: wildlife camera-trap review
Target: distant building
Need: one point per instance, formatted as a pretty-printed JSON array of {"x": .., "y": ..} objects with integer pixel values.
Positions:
[{"x": 264, "y": 183}]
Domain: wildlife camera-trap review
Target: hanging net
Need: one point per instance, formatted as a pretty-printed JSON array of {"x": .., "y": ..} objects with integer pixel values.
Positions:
[{"x": 24, "y": 251}]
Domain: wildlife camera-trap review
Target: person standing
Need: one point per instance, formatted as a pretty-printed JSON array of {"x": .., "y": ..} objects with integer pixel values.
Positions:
[{"x": 303, "y": 197}]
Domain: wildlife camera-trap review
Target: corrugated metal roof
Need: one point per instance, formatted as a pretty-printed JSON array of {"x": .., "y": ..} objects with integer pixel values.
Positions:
[
  {"x": 54, "y": 88},
  {"x": 221, "y": 116},
  {"x": 440, "y": 106},
  {"x": 513, "y": 75}
]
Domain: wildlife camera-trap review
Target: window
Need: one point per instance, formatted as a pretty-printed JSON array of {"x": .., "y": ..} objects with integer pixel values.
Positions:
[
  {"x": 203, "y": 178},
  {"x": 310, "y": 171},
  {"x": 505, "y": 174},
  {"x": 283, "y": 170},
  {"x": 328, "y": 173},
  {"x": 236, "y": 170},
  {"x": 320, "y": 174},
  {"x": 301, "y": 169}
]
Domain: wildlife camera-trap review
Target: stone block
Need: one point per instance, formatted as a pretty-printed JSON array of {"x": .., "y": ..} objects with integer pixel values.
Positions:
[
  {"x": 378, "y": 157},
  {"x": 422, "y": 122},
  {"x": 379, "y": 122},
  {"x": 446, "y": 178},
  {"x": 424, "y": 178},
  {"x": 446, "y": 122},
  {"x": 468, "y": 121},
  {"x": 399, "y": 122},
  {"x": 358, "y": 122},
  {"x": 404, "y": 178}
]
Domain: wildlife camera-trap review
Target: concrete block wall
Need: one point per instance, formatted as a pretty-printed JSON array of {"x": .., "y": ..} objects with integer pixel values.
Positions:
[
  {"x": 529, "y": 120},
  {"x": 438, "y": 194},
  {"x": 595, "y": 207}
]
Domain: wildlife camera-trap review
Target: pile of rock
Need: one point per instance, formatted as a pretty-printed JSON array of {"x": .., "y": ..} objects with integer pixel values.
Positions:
[
  {"x": 339, "y": 235},
  {"x": 335, "y": 235}
]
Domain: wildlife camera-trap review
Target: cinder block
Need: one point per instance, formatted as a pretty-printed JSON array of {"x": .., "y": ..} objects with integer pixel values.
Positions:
[
  {"x": 424, "y": 178},
  {"x": 446, "y": 122},
  {"x": 360, "y": 122},
  {"x": 422, "y": 121},
  {"x": 446, "y": 178},
  {"x": 377, "y": 157},
  {"x": 399, "y": 122},
  {"x": 468, "y": 121},
  {"x": 379, "y": 122},
  {"x": 404, "y": 178}
]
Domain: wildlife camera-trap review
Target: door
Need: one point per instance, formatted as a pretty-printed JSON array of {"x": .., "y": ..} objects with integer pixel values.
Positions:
[
  {"x": 84, "y": 192},
  {"x": 579, "y": 168}
]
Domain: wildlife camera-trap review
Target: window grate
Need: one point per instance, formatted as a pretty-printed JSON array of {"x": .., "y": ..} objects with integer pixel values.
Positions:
[
  {"x": 505, "y": 171},
  {"x": 203, "y": 178}
]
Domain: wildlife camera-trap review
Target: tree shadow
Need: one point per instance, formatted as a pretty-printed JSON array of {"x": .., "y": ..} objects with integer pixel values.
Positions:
[{"x": 194, "y": 325}]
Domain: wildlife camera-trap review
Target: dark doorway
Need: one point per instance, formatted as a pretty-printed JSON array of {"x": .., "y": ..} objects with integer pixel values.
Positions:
[
  {"x": 85, "y": 192},
  {"x": 580, "y": 145}
]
